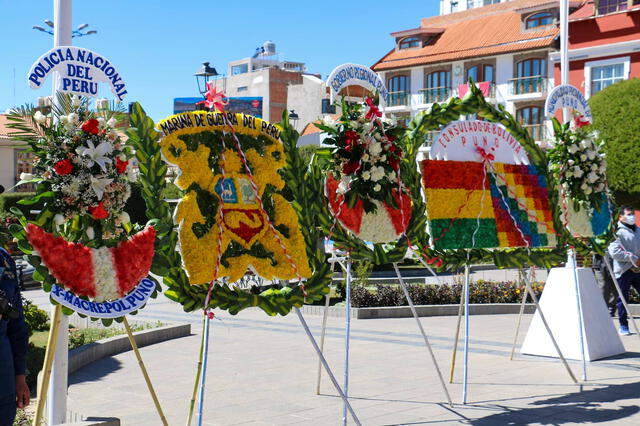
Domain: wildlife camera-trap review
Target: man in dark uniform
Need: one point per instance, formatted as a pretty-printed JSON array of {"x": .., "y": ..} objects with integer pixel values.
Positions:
[{"x": 14, "y": 339}]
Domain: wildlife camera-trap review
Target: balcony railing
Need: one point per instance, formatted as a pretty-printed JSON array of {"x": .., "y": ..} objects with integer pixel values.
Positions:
[
  {"x": 537, "y": 131},
  {"x": 524, "y": 85},
  {"x": 435, "y": 94},
  {"x": 398, "y": 98}
]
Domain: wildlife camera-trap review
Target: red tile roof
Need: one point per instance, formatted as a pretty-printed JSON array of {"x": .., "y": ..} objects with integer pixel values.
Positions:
[
  {"x": 588, "y": 10},
  {"x": 488, "y": 30},
  {"x": 311, "y": 127}
]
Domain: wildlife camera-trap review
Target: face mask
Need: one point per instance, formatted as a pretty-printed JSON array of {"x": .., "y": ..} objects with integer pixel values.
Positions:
[{"x": 629, "y": 219}]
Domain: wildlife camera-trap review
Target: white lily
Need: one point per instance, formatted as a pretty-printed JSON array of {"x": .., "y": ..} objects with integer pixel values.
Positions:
[
  {"x": 39, "y": 117},
  {"x": 99, "y": 185},
  {"x": 76, "y": 101},
  {"x": 96, "y": 154}
]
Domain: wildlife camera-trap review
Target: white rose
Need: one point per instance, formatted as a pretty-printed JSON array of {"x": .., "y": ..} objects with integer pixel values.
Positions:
[
  {"x": 124, "y": 217},
  {"x": 101, "y": 121},
  {"x": 377, "y": 187},
  {"x": 571, "y": 162},
  {"x": 132, "y": 175},
  {"x": 594, "y": 167},
  {"x": 584, "y": 186},
  {"x": 600, "y": 187},
  {"x": 375, "y": 149},
  {"x": 392, "y": 176},
  {"x": 39, "y": 117},
  {"x": 586, "y": 143},
  {"x": 383, "y": 158},
  {"x": 588, "y": 190},
  {"x": 591, "y": 154},
  {"x": 583, "y": 157},
  {"x": 572, "y": 149},
  {"x": 377, "y": 173},
  {"x": 112, "y": 122},
  {"x": 577, "y": 172},
  {"x": 90, "y": 233},
  {"x": 73, "y": 118},
  {"x": 58, "y": 219},
  {"x": 64, "y": 120},
  {"x": 366, "y": 175},
  {"x": 365, "y": 157},
  {"x": 569, "y": 173},
  {"x": 592, "y": 177},
  {"x": 26, "y": 176}
]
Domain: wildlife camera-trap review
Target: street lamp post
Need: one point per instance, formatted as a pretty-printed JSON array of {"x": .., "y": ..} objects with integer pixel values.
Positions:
[
  {"x": 294, "y": 117},
  {"x": 203, "y": 75},
  {"x": 78, "y": 32}
]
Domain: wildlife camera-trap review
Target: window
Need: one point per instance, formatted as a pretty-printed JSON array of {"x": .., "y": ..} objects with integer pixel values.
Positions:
[
  {"x": 530, "y": 77},
  {"x": 243, "y": 88},
  {"x": 438, "y": 87},
  {"x": 481, "y": 73},
  {"x": 409, "y": 42},
  {"x": 531, "y": 118},
  {"x": 398, "y": 88},
  {"x": 610, "y": 6},
  {"x": 479, "y": 3},
  {"x": 239, "y": 69},
  {"x": 605, "y": 76},
  {"x": 539, "y": 20},
  {"x": 327, "y": 108}
]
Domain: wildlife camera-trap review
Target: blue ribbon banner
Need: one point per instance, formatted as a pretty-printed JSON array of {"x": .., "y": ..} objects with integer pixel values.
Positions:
[
  {"x": 133, "y": 301},
  {"x": 356, "y": 75},
  {"x": 79, "y": 72},
  {"x": 567, "y": 96}
]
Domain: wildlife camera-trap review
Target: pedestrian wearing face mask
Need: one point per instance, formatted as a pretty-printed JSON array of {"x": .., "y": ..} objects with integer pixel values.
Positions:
[{"x": 625, "y": 251}]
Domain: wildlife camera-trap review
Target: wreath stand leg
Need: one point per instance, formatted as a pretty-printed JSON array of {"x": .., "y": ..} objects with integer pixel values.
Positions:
[
  {"x": 326, "y": 366},
  {"x": 134, "y": 346},
  {"x": 424, "y": 335},
  {"x": 546, "y": 325},
  {"x": 624, "y": 302},
  {"x": 465, "y": 375},
  {"x": 455, "y": 341},
  {"x": 574, "y": 265},
  {"x": 54, "y": 329},
  {"x": 204, "y": 360},
  {"x": 322, "y": 334},
  {"x": 192, "y": 403},
  {"x": 347, "y": 337},
  {"x": 515, "y": 337}
]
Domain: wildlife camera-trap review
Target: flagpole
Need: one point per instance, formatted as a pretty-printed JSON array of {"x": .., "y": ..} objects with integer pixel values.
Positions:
[{"x": 564, "y": 49}]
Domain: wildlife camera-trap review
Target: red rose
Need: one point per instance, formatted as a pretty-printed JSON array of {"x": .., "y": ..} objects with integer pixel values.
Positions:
[
  {"x": 394, "y": 162},
  {"x": 351, "y": 138},
  {"x": 351, "y": 167},
  {"x": 121, "y": 166},
  {"x": 91, "y": 126},
  {"x": 63, "y": 167},
  {"x": 98, "y": 212}
]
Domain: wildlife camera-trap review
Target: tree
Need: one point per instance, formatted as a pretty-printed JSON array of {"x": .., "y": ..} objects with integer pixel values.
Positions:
[{"x": 616, "y": 115}]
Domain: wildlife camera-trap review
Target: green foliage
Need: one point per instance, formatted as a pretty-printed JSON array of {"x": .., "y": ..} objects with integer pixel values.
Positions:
[
  {"x": 12, "y": 199},
  {"x": 307, "y": 151},
  {"x": 36, "y": 318},
  {"x": 479, "y": 292},
  {"x": 616, "y": 116}
]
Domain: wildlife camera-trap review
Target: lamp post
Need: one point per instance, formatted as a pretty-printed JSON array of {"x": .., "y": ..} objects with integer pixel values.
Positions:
[
  {"x": 203, "y": 75},
  {"x": 294, "y": 117},
  {"x": 78, "y": 32}
]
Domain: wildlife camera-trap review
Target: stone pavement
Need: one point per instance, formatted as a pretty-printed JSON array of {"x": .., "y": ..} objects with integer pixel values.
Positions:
[{"x": 262, "y": 371}]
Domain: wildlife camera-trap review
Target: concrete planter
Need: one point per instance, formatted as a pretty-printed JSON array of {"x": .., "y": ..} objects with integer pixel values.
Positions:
[{"x": 428, "y": 310}]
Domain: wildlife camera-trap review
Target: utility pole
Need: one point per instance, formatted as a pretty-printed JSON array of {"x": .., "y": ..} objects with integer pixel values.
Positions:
[{"x": 57, "y": 396}]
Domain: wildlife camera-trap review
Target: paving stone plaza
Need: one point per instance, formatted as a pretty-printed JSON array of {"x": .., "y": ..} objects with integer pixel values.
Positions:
[{"x": 262, "y": 371}]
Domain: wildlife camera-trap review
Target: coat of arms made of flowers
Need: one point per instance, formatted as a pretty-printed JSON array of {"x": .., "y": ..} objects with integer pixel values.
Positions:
[{"x": 241, "y": 220}]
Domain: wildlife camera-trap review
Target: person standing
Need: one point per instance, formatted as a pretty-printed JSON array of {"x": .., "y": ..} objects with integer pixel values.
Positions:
[
  {"x": 14, "y": 339},
  {"x": 625, "y": 251},
  {"x": 605, "y": 282}
]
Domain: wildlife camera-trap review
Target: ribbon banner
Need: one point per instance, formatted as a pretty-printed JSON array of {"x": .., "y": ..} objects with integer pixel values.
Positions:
[
  {"x": 133, "y": 301},
  {"x": 567, "y": 96},
  {"x": 356, "y": 75},
  {"x": 79, "y": 72}
]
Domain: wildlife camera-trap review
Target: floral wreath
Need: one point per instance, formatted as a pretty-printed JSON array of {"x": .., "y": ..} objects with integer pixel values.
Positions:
[
  {"x": 82, "y": 240},
  {"x": 474, "y": 103},
  {"x": 168, "y": 261},
  {"x": 579, "y": 167},
  {"x": 369, "y": 168}
]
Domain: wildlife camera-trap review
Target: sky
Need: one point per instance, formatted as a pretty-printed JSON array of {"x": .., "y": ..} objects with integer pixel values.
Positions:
[{"x": 157, "y": 45}]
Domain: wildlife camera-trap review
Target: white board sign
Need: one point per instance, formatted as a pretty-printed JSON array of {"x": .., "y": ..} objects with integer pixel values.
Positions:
[
  {"x": 133, "y": 301},
  {"x": 356, "y": 75},
  {"x": 567, "y": 96},
  {"x": 471, "y": 139},
  {"x": 79, "y": 72}
]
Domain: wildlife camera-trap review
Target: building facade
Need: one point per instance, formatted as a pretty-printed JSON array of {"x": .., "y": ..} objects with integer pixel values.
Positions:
[
  {"x": 452, "y": 6},
  {"x": 504, "y": 47},
  {"x": 14, "y": 159},
  {"x": 604, "y": 44}
]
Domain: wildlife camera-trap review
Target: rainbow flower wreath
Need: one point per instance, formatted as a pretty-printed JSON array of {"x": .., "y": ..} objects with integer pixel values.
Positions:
[
  {"x": 244, "y": 210},
  {"x": 82, "y": 238},
  {"x": 364, "y": 186},
  {"x": 579, "y": 168},
  {"x": 483, "y": 206}
]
